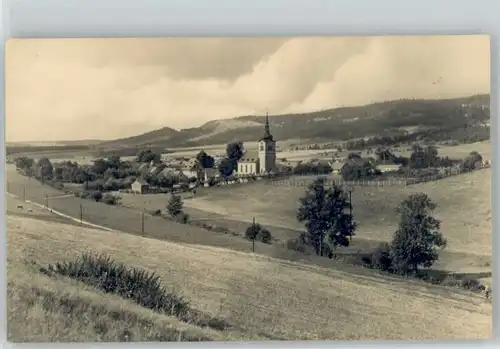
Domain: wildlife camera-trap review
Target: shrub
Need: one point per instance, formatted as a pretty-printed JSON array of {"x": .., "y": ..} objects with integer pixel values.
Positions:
[
  {"x": 175, "y": 205},
  {"x": 111, "y": 199},
  {"x": 95, "y": 195},
  {"x": 156, "y": 213},
  {"x": 182, "y": 218},
  {"x": 140, "y": 286},
  {"x": 381, "y": 259},
  {"x": 256, "y": 232},
  {"x": 264, "y": 236},
  {"x": 296, "y": 245}
]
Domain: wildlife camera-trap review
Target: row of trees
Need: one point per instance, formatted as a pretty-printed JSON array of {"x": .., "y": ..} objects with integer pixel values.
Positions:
[
  {"x": 422, "y": 158},
  {"x": 326, "y": 212}
]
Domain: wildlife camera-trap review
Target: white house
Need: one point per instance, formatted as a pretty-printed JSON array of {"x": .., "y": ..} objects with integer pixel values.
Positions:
[{"x": 388, "y": 167}]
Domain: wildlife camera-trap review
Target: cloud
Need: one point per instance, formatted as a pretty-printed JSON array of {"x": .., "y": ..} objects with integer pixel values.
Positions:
[{"x": 108, "y": 88}]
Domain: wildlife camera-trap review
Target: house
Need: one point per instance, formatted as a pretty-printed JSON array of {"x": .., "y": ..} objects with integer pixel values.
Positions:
[
  {"x": 140, "y": 186},
  {"x": 144, "y": 169},
  {"x": 336, "y": 166},
  {"x": 290, "y": 164},
  {"x": 156, "y": 170},
  {"x": 189, "y": 174},
  {"x": 388, "y": 167},
  {"x": 174, "y": 174},
  {"x": 262, "y": 161}
]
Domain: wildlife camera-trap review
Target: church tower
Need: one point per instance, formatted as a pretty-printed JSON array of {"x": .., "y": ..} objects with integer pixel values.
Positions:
[{"x": 267, "y": 150}]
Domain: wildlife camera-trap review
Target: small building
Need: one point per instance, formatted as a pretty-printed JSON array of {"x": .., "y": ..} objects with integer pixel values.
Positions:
[
  {"x": 140, "y": 186},
  {"x": 337, "y": 167},
  {"x": 388, "y": 167}
]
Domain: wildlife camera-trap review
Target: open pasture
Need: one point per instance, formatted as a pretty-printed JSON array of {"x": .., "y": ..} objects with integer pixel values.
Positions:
[
  {"x": 276, "y": 203},
  {"x": 263, "y": 297}
]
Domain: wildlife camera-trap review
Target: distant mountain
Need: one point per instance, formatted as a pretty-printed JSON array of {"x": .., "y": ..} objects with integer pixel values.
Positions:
[
  {"x": 337, "y": 124},
  {"x": 162, "y": 135}
]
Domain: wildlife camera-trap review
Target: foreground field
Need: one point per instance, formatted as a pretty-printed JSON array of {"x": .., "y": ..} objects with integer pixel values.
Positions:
[{"x": 262, "y": 297}]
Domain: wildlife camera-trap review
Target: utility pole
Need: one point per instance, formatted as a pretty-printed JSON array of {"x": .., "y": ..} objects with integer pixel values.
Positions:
[
  {"x": 46, "y": 201},
  {"x": 350, "y": 210},
  {"x": 142, "y": 221},
  {"x": 24, "y": 193},
  {"x": 253, "y": 235}
]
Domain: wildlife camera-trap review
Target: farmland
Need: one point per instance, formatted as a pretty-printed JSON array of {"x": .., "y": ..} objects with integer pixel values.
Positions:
[{"x": 263, "y": 297}]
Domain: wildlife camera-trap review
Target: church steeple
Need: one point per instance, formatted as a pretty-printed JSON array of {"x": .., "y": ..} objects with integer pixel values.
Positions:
[{"x": 267, "y": 132}]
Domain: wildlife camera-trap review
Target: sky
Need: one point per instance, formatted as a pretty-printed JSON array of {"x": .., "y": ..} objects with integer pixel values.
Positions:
[{"x": 64, "y": 89}]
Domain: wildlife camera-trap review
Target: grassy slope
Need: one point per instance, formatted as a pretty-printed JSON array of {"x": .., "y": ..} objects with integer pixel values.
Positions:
[
  {"x": 42, "y": 309},
  {"x": 264, "y": 297},
  {"x": 468, "y": 193}
]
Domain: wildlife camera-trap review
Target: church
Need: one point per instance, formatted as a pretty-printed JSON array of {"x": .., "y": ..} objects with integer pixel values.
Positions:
[{"x": 261, "y": 161}]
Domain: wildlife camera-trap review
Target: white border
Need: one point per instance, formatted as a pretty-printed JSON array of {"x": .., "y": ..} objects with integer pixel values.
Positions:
[{"x": 126, "y": 18}]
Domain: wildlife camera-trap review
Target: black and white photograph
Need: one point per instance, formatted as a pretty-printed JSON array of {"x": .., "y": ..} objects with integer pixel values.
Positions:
[{"x": 186, "y": 189}]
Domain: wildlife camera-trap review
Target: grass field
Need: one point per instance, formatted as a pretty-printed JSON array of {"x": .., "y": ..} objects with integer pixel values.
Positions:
[
  {"x": 275, "y": 204},
  {"x": 262, "y": 297}
]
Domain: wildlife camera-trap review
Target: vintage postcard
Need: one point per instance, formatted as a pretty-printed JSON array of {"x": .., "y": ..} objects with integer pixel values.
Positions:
[{"x": 236, "y": 189}]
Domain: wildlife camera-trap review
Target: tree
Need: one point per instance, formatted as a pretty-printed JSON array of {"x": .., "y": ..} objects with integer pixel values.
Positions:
[
  {"x": 416, "y": 241},
  {"x": 148, "y": 155},
  {"x": 205, "y": 160},
  {"x": 226, "y": 167},
  {"x": 44, "y": 168},
  {"x": 423, "y": 157},
  {"x": 256, "y": 232},
  {"x": 470, "y": 162},
  {"x": 323, "y": 209},
  {"x": 352, "y": 156},
  {"x": 356, "y": 170},
  {"x": 24, "y": 163},
  {"x": 175, "y": 205},
  {"x": 384, "y": 155}
]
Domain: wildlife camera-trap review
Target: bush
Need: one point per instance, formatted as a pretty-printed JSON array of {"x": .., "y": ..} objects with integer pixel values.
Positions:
[
  {"x": 381, "y": 259},
  {"x": 95, "y": 195},
  {"x": 264, "y": 236},
  {"x": 140, "y": 286},
  {"x": 182, "y": 218},
  {"x": 111, "y": 199},
  {"x": 297, "y": 245},
  {"x": 175, "y": 205},
  {"x": 156, "y": 213},
  {"x": 256, "y": 232}
]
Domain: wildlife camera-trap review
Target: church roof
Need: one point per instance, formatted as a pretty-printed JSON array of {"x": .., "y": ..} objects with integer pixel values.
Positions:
[
  {"x": 267, "y": 132},
  {"x": 250, "y": 156}
]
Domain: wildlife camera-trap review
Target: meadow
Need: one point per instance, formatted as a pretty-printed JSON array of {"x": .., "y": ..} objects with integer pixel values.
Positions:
[{"x": 262, "y": 297}]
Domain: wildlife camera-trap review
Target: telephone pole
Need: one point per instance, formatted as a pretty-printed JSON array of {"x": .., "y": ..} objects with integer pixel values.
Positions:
[
  {"x": 350, "y": 211},
  {"x": 24, "y": 193},
  {"x": 142, "y": 221},
  {"x": 253, "y": 235}
]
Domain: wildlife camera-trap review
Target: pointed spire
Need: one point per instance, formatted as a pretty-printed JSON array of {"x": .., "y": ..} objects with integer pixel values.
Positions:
[
  {"x": 267, "y": 132},
  {"x": 266, "y": 129}
]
